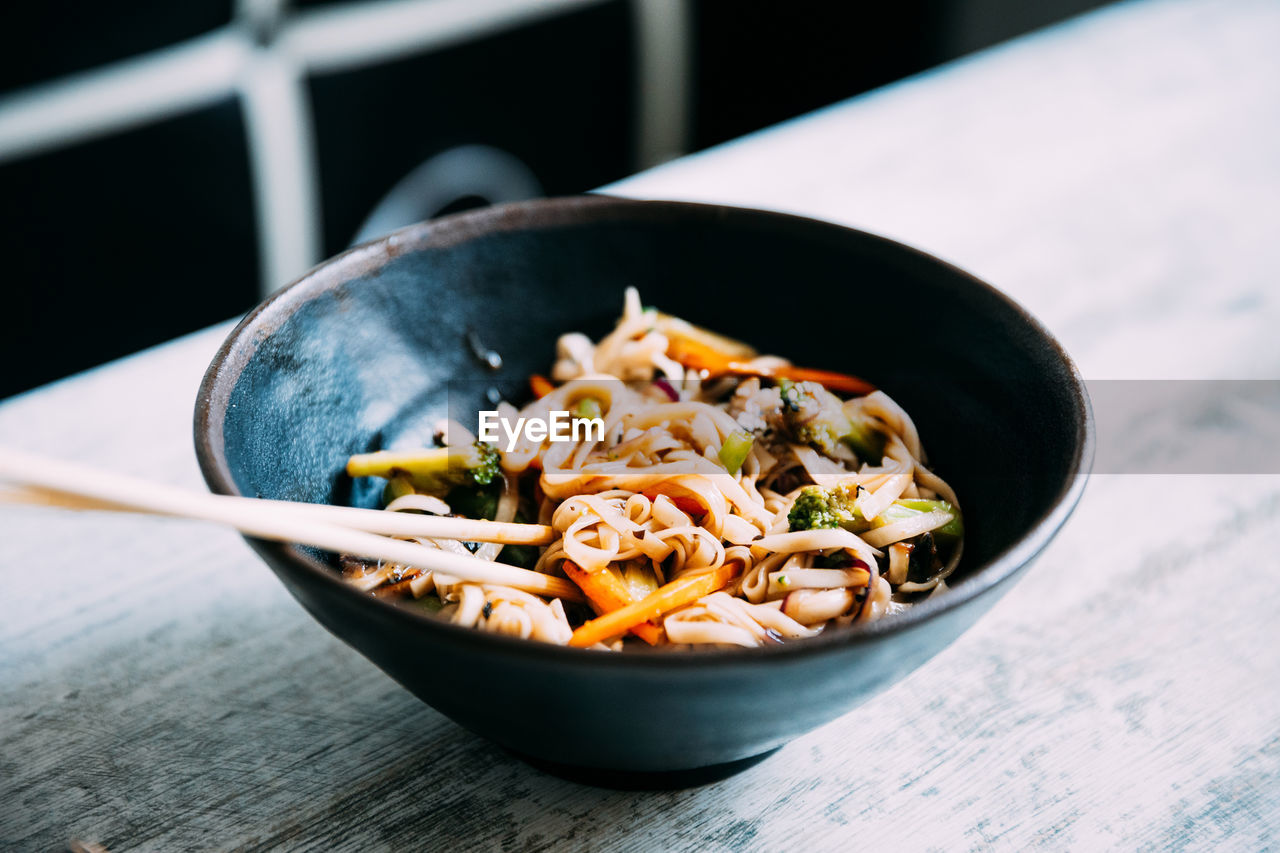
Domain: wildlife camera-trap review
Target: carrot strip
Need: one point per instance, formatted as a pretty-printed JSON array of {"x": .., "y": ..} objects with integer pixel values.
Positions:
[
  {"x": 689, "y": 506},
  {"x": 649, "y": 632},
  {"x": 699, "y": 356},
  {"x": 678, "y": 593},
  {"x": 607, "y": 593},
  {"x": 540, "y": 385},
  {"x": 829, "y": 379},
  {"x": 678, "y": 331}
]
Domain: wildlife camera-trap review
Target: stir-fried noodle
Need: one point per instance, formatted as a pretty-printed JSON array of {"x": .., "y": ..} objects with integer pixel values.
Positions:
[{"x": 730, "y": 499}]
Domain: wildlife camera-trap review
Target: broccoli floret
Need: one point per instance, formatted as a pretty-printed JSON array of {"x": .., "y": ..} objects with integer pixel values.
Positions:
[
  {"x": 472, "y": 501},
  {"x": 489, "y": 467},
  {"x": 816, "y": 508},
  {"x": 789, "y": 395},
  {"x": 477, "y": 465},
  {"x": 813, "y": 415},
  {"x": 432, "y": 471},
  {"x": 524, "y": 556}
]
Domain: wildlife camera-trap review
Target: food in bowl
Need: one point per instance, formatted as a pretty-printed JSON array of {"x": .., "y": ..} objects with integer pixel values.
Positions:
[
  {"x": 693, "y": 493},
  {"x": 368, "y": 349}
]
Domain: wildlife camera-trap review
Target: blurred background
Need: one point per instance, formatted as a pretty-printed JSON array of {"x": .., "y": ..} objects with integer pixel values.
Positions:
[{"x": 164, "y": 165}]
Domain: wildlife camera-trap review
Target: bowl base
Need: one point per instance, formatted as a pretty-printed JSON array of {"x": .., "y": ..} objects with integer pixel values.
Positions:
[{"x": 643, "y": 780}]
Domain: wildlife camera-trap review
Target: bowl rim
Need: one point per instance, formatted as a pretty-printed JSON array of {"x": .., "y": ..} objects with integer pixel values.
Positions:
[{"x": 241, "y": 344}]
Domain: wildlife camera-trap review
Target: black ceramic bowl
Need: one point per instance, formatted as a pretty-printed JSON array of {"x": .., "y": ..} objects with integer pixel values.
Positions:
[{"x": 359, "y": 350}]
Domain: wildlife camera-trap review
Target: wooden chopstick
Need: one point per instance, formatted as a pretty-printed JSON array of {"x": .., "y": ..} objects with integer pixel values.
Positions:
[
  {"x": 47, "y": 479},
  {"x": 340, "y": 529}
]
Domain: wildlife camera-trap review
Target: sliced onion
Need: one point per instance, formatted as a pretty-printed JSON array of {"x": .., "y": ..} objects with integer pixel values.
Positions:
[
  {"x": 420, "y": 503},
  {"x": 666, "y": 388},
  {"x": 905, "y": 529},
  {"x": 899, "y": 558},
  {"x": 809, "y": 606}
]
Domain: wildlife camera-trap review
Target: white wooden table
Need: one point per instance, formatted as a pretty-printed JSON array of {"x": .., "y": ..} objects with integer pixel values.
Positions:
[{"x": 1119, "y": 175}]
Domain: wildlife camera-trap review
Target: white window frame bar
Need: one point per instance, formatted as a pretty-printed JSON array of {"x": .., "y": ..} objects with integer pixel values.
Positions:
[{"x": 271, "y": 77}]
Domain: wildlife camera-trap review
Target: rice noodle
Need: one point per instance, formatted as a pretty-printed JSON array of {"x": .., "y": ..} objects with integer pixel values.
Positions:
[{"x": 652, "y": 502}]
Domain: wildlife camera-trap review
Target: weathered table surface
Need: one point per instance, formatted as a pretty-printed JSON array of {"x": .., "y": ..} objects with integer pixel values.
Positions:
[{"x": 1119, "y": 175}]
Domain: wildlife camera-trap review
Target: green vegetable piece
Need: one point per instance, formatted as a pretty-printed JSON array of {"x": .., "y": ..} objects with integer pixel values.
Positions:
[
  {"x": 490, "y": 465},
  {"x": 814, "y": 416},
  {"x": 397, "y": 487},
  {"x": 817, "y": 508},
  {"x": 953, "y": 529},
  {"x": 523, "y": 556},
  {"x": 787, "y": 392},
  {"x": 639, "y": 579},
  {"x": 588, "y": 407},
  {"x": 475, "y": 501},
  {"x": 429, "y": 603},
  {"x": 865, "y": 440},
  {"x": 432, "y": 471},
  {"x": 736, "y": 449}
]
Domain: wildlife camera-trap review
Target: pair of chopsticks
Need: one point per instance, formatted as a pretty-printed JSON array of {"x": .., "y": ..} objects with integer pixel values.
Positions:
[{"x": 367, "y": 533}]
